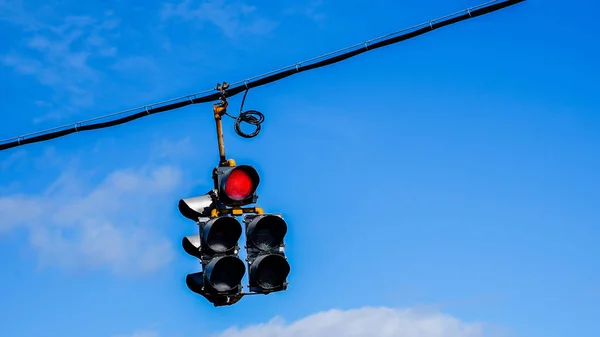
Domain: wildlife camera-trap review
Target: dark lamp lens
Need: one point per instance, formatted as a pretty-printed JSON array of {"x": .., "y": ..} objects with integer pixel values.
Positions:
[
  {"x": 270, "y": 271},
  {"x": 239, "y": 185},
  {"x": 225, "y": 273}
]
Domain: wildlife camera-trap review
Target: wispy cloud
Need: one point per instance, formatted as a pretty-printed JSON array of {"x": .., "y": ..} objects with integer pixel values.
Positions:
[
  {"x": 310, "y": 10},
  {"x": 366, "y": 322},
  {"x": 109, "y": 225},
  {"x": 59, "y": 52},
  {"x": 233, "y": 18}
]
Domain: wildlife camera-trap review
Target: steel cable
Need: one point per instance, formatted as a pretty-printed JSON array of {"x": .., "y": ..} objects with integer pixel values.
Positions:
[{"x": 254, "y": 117}]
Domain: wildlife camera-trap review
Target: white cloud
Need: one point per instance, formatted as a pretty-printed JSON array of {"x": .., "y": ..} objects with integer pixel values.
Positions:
[
  {"x": 234, "y": 18},
  {"x": 113, "y": 225},
  {"x": 365, "y": 322}
]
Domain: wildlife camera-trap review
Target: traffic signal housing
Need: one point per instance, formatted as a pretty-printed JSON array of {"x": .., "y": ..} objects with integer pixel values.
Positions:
[
  {"x": 268, "y": 267},
  {"x": 236, "y": 185},
  {"x": 217, "y": 247}
]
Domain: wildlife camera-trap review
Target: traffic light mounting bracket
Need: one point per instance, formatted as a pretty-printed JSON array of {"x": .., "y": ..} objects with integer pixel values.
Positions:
[
  {"x": 229, "y": 299},
  {"x": 235, "y": 211},
  {"x": 219, "y": 110}
]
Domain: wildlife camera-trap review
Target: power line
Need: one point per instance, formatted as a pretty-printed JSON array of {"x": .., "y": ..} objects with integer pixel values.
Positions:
[{"x": 259, "y": 80}]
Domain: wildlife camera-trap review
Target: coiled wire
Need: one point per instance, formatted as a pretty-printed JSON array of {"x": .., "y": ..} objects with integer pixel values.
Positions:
[{"x": 252, "y": 117}]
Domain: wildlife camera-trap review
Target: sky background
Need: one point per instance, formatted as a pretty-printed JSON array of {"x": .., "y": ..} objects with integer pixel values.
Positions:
[{"x": 445, "y": 186}]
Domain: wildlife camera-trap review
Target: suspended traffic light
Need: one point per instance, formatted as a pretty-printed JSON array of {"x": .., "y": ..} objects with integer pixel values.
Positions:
[
  {"x": 218, "y": 251},
  {"x": 217, "y": 247},
  {"x": 236, "y": 186},
  {"x": 268, "y": 267}
]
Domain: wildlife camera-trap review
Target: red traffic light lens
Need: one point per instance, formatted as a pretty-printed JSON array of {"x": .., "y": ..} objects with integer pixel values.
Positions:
[{"x": 239, "y": 185}]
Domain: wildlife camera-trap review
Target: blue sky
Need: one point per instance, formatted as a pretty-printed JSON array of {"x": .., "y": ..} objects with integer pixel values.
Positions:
[{"x": 445, "y": 186}]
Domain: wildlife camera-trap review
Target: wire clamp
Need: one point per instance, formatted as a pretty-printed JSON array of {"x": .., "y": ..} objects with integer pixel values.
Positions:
[{"x": 222, "y": 88}]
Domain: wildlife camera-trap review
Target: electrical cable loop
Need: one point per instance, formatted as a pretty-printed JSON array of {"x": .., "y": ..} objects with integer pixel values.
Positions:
[{"x": 252, "y": 117}]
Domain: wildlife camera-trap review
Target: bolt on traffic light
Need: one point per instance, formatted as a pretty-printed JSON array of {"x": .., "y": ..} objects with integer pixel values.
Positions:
[
  {"x": 236, "y": 185},
  {"x": 268, "y": 267}
]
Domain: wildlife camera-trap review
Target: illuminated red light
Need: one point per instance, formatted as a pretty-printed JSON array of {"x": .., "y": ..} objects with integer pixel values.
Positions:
[{"x": 239, "y": 185}]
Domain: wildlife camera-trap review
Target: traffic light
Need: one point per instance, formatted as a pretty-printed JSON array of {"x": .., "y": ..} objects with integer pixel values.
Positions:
[
  {"x": 217, "y": 247},
  {"x": 222, "y": 270},
  {"x": 236, "y": 185},
  {"x": 268, "y": 267}
]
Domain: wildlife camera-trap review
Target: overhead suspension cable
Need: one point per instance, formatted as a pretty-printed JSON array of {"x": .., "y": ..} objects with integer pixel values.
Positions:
[{"x": 256, "y": 81}]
